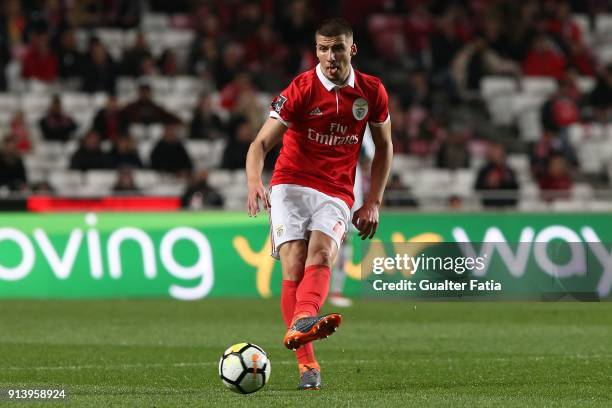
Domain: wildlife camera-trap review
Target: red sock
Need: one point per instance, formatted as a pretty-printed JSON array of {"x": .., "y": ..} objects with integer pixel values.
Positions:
[
  {"x": 312, "y": 290},
  {"x": 305, "y": 354}
]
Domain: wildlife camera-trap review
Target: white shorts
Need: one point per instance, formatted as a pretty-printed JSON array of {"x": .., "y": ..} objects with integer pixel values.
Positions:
[{"x": 297, "y": 210}]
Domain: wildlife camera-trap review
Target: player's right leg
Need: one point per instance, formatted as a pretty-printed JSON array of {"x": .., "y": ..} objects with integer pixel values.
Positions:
[{"x": 311, "y": 294}]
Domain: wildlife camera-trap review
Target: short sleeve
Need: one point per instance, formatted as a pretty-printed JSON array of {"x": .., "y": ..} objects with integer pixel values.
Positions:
[
  {"x": 286, "y": 107},
  {"x": 380, "y": 110}
]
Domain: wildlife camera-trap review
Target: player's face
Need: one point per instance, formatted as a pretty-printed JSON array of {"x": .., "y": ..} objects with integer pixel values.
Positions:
[{"x": 335, "y": 55}]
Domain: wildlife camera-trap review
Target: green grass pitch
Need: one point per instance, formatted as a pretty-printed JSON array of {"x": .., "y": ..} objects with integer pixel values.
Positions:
[{"x": 164, "y": 353}]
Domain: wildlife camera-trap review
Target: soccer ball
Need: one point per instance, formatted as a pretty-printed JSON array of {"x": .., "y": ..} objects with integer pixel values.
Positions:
[{"x": 244, "y": 368}]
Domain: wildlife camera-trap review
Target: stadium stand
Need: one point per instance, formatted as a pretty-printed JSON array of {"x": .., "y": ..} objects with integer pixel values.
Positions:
[{"x": 207, "y": 48}]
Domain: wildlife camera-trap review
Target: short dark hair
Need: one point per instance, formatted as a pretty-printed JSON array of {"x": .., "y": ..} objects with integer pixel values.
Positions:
[{"x": 333, "y": 27}]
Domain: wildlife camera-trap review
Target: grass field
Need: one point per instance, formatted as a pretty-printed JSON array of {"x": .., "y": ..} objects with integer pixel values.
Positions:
[{"x": 164, "y": 353}]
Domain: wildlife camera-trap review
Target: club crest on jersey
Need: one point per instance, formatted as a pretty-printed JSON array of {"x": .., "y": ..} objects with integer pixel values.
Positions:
[
  {"x": 360, "y": 108},
  {"x": 280, "y": 230},
  {"x": 277, "y": 104}
]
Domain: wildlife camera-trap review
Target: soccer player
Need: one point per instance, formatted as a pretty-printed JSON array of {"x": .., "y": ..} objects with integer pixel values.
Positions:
[{"x": 321, "y": 118}]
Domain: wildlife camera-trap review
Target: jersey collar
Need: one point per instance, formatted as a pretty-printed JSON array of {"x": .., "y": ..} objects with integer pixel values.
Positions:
[{"x": 329, "y": 85}]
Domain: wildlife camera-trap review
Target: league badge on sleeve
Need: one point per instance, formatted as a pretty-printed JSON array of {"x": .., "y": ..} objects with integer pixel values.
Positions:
[
  {"x": 278, "y": 102},
  {"x": 360, "y": 108}
]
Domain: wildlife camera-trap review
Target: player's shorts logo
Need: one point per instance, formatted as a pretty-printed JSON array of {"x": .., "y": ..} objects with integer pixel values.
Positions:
[
  {"x": 360, "y": 108},
  {"x": 280, "y": 230},
  {"x": 278, "y": 103}
]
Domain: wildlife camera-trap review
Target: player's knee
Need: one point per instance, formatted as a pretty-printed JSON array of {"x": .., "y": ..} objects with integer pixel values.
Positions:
[
  {"x": 322, "y": 256},
  {"x": 293, "y": 270}
]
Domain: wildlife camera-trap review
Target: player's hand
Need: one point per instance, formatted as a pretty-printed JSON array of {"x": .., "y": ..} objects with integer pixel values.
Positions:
[
  {"x": 256, "y": 191},
  {"x": 365, "y": 220}
]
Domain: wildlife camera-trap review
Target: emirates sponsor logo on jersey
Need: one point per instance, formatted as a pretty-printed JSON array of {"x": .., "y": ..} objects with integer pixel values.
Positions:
[
  {"x": 332, "y": 139},
  {"x": 360, "y": 108}
]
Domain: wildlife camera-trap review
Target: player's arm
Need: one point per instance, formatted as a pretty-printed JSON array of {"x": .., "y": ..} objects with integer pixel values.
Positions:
[
  {"x": 269, "y": 136},
  {"x": 365, "y": 219}
]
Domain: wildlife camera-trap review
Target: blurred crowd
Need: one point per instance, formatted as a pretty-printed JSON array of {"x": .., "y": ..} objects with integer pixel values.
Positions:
[{"x": 431, "y": 55}]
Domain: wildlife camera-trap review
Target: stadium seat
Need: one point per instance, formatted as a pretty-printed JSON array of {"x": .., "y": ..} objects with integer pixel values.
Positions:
[
  {"x": 604, "y": 54},
  {"x": 178, "y": 39},
  {"x": 199, "y": 150},
  {"x": 492, "y": 86},
  {"x": 526, "y": 108},
  {"x": 462, "y": 182},
  {"x": 582, "y": 192},
  {"x": 529, "y": 192},
  {"x": 404, "y": 163},
  {"x": 519, "y": 163},
  {"x": 604, "y": 206},
  {"x": 167, "y": 188},
  {"x": 586, "y": 84},
  {"x": 185, "y": 85},
  {"x": 603, "y": 24},
  {"x": 110, "y": 37},
  {"x": 500, "y": 109},
  {"x": 589, "y": 157},
  {"x": 35, "y": 106},
  {"x": 152, "y": 21},
  {"x": 66, "y": 181},
  {"x": 219, "y": 178},
  {"x": 567, "y": 205},
  {"x": 539, "y": 86},
  {"x": 145, "y": 179},
  {"x": 126, "y": 86},
  {"x": 102, "y": 179},
  {"x": 532, "y": 205}
]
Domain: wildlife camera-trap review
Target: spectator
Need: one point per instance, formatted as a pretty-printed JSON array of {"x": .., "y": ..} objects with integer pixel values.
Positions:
[
  {"x": 169, "y": 154},
  {"x": 477, "y": 60},
  {"x": 455, "y": 203},
  {"x": 99, "y": 72},
  {"x": 133, "y": 57},
  {"x": 397, "y": 194},
  {"x": 544, "y": 59},
  {"x": 201, "y": 195},
  {"x": 206, "y": 124},
  {"x": 204, "y": 56},
  {"x": 125, "y": 183},
  {"x": 107, "y": 120},
  {"x": 145, "y": 110},
  {"x": 601, "y": 96},
  {"x": 556, "y": 182},
  {"x": 20, "y": 132},
  {"x": 148, "y": 67},
  {"x": 42, "y": 188},
  {"x": 230, "y": 65},
  {"x": 39, "y": 62},
  {"x": 56, "y": 125},
  {"x": 125, "y": 154},
  {"x": 561, "y": 110},
  {"x": 12, "y": 170},
  {"x": 444, "y": 44},
  {"x": 70, "y": 58},
  {"x": 453, "y": 152},
  {"x": 496, "y": 180},
  {"x": 234, "y": 156},
  {"x": 549, "y": 145},
  {"x": 168, "y": 63},
  {"x": 89, "y": 155}
]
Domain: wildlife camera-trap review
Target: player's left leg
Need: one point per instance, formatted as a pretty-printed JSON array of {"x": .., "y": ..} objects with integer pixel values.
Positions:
[
  {"x": 312, "y": 292},
  {"x": 293, "y": 258}
]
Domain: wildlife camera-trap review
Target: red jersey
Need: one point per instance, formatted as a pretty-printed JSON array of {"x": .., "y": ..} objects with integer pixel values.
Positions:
[{"x": 326, "y": 123}]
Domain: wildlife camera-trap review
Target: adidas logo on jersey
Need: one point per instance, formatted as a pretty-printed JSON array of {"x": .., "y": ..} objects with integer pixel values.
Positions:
[{"x": 316, "y": 112}]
